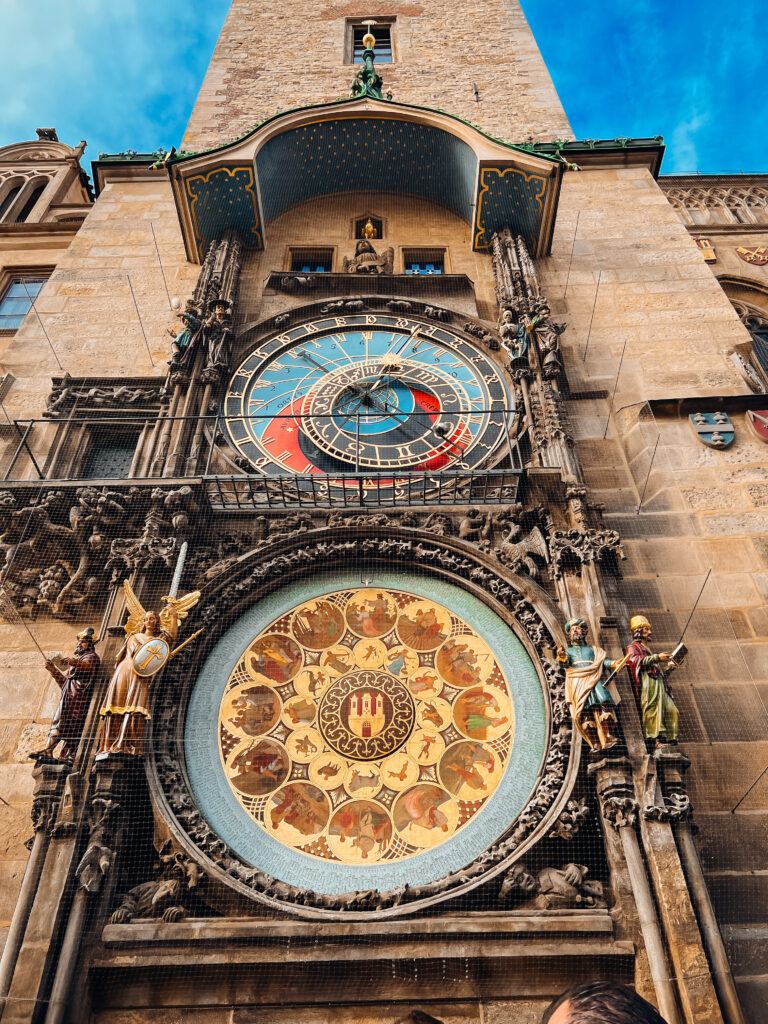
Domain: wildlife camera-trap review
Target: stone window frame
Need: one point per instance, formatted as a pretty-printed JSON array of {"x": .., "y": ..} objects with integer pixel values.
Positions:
[
  {"x": 296, "y": 251},
  {"x": 423, "y": 254},
  {"x": 382, "y": 21},
  {"x": 33, "y": 185},
  {"x": 14, "y": 275}
]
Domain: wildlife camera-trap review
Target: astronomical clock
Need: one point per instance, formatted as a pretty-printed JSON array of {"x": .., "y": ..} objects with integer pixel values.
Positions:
[
  {"x": 373, "y": 714},
  {"x": 370, "y": 392}
]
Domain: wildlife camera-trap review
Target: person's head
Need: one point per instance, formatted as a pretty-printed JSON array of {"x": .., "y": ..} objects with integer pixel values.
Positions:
[
  {"x": 151, "y": 623},
  {"x": 640, "y": 628},
  {"x": 86, "y": 640},
  {"x": 576, "y": 630},
  {"x": 601, "y": 1002}
]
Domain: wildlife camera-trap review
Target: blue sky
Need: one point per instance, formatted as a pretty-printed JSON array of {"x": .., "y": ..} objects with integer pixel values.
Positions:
[{"x": 125, "y": 73}]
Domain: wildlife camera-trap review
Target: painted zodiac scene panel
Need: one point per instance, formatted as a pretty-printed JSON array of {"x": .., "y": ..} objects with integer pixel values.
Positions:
[{"x": 365, "y": 725}]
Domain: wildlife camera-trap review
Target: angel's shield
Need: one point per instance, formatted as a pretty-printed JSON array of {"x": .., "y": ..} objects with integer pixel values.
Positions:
[{"x": 151, "y": 657}]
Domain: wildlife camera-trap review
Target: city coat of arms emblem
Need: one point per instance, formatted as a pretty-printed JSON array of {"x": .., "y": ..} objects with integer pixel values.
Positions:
[
  {"x": 758, "y": 421},
  {"x": 713, "y": 428},
  {"x": 757, "y": 256}
]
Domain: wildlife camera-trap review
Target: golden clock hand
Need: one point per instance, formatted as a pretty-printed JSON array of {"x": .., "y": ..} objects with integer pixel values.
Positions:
[{"x": 363, "y": 392}]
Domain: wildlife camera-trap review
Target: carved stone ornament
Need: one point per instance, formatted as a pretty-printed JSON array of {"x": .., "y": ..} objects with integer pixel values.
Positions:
[
  {"x": 620, "y": 811},
  {"x": 92, "y": 395},
  {"x": 571, "y": 820},
  {"x": 285, "y": 558},
  {"x": 60, "y": 547},
  {"x": 676, "y": 807}
]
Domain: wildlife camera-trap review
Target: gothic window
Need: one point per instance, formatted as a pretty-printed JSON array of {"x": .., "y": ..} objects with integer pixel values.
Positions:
[
  {"x": 312, "y": 261},
  {"x": 8, "y": 199},
  {"x": 31, "y": 201},
  {"x": 424, "y": 261},
  {"x": 382, "y": 32},
  {"x": 17, "y": 300}
]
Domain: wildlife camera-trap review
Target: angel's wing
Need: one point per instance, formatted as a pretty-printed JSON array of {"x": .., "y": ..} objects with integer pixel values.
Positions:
[
  {"x": 183, "y": 606},
  {"x": 136, "y": 612}
]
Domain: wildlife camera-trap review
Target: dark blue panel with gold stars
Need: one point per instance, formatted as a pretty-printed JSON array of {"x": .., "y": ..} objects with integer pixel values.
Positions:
[
  {"x": 366, "y": 154},
  {"x": 224, "y": 198},
  {"x": 509, "y": 197}
]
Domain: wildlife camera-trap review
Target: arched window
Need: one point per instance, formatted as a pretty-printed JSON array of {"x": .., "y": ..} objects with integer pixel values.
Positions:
[
  {"x": 8, "y": 200},
  {"x": 32, "y": 199}
]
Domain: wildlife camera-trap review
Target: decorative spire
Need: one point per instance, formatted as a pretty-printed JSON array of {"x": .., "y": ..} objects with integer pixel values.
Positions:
[{"x": 367, "y": 82}]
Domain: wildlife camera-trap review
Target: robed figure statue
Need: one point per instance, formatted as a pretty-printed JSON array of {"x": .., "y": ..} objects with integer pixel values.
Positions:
[
  {"x": 649, "y": 672},
  {"x": 591, "y": 704},
  {"x": 76, "y": 685},
  {"x": 147, "y": 647}
]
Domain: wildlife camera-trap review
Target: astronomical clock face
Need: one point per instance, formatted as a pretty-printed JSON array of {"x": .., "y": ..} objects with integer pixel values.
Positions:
[
  {"x": 368, "y": 735},
  {"x": 366, "y": 393}
]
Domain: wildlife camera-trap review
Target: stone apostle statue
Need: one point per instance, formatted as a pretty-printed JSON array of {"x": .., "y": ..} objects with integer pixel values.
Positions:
[
  {"x": 217, "y": 334},
  {"x": 592, "y": 707},
  {"x": 76, "y": 685},
  {"x": 657, "y": 709},
  {"x": 147, "y": 647},
  {"x": 183, "y": 344}
]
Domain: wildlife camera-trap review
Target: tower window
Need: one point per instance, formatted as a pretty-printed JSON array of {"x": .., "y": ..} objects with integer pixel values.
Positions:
[
  {"x": 312, "y": 261},
  {"x": 424, "y": 261},
  {"x": 382, "y": 32},
  {"x": 17, "y": 301},
  {"x": 10, "y": 195}
]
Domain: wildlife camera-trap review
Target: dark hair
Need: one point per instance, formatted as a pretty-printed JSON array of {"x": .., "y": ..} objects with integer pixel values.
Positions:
[{"x": 603, "y": 1002}]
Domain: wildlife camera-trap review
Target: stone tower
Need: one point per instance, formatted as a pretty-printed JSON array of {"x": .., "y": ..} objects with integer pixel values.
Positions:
[{"x": 438, "y": 382}]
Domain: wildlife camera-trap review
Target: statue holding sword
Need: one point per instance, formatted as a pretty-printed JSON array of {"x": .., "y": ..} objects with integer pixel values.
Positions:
[{"x": 147, "y": 648}]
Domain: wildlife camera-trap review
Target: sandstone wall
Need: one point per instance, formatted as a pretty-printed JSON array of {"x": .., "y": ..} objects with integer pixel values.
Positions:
[
  {"x": 271, "y": 57},
  {"x": 660, "y": 305}
]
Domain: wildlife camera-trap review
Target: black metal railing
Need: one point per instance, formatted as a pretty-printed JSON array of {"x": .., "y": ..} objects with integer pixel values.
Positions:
[{"x": 178, "y": 447}]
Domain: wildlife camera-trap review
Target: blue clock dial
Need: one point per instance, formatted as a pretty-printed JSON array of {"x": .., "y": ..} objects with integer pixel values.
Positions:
[{"x": 369, "y": 393}]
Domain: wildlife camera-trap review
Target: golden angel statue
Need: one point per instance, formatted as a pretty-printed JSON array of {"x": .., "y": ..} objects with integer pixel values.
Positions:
[{"x": 147, "y": 647}]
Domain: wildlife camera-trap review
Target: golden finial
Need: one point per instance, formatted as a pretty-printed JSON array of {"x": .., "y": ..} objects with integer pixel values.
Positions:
[{"x": 369, "y": 40}]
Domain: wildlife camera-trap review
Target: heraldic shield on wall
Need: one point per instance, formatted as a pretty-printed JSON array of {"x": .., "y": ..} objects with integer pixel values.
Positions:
[{"x": 392, "y": 736}]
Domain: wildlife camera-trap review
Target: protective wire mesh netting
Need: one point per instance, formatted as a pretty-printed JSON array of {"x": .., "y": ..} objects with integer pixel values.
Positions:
[{"x": 304, "y": 813}]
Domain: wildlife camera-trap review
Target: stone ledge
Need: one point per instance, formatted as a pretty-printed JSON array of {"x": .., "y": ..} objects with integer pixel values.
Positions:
[{"x": 480, "y": 926}]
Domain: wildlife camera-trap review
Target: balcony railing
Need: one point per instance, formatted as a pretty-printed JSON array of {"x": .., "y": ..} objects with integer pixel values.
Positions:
[{"x": 196, "y": 449}]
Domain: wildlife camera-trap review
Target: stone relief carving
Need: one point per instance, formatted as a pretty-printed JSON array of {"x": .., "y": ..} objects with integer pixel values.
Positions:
[
  {"x": 571, "y": 820},
  {"x": 91, "y": 394},
  {"x": 552, "y": 888},
  {"x": 60, "y": 548},
  {"x": 578, "y": 547},
  {"x": 169, "y": 895},
  {"x": 367, "y": 261}
]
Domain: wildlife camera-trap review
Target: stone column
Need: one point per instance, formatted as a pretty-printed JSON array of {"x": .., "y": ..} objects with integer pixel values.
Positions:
[
  {"x": 110, "y": 806},
  {"x": 675, "y": 807},
  {"x": 49, "y": 784},
  {"x": 619, "y": 811}
]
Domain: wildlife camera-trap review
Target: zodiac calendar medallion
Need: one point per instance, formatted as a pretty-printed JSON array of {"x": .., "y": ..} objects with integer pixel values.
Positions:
[{"x": 364, "y": 727}]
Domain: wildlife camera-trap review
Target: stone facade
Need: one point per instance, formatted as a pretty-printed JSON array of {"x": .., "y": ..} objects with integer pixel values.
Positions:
[
  {"x": 492, "y": 50},
  {"x": 619, "y": 509}
]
